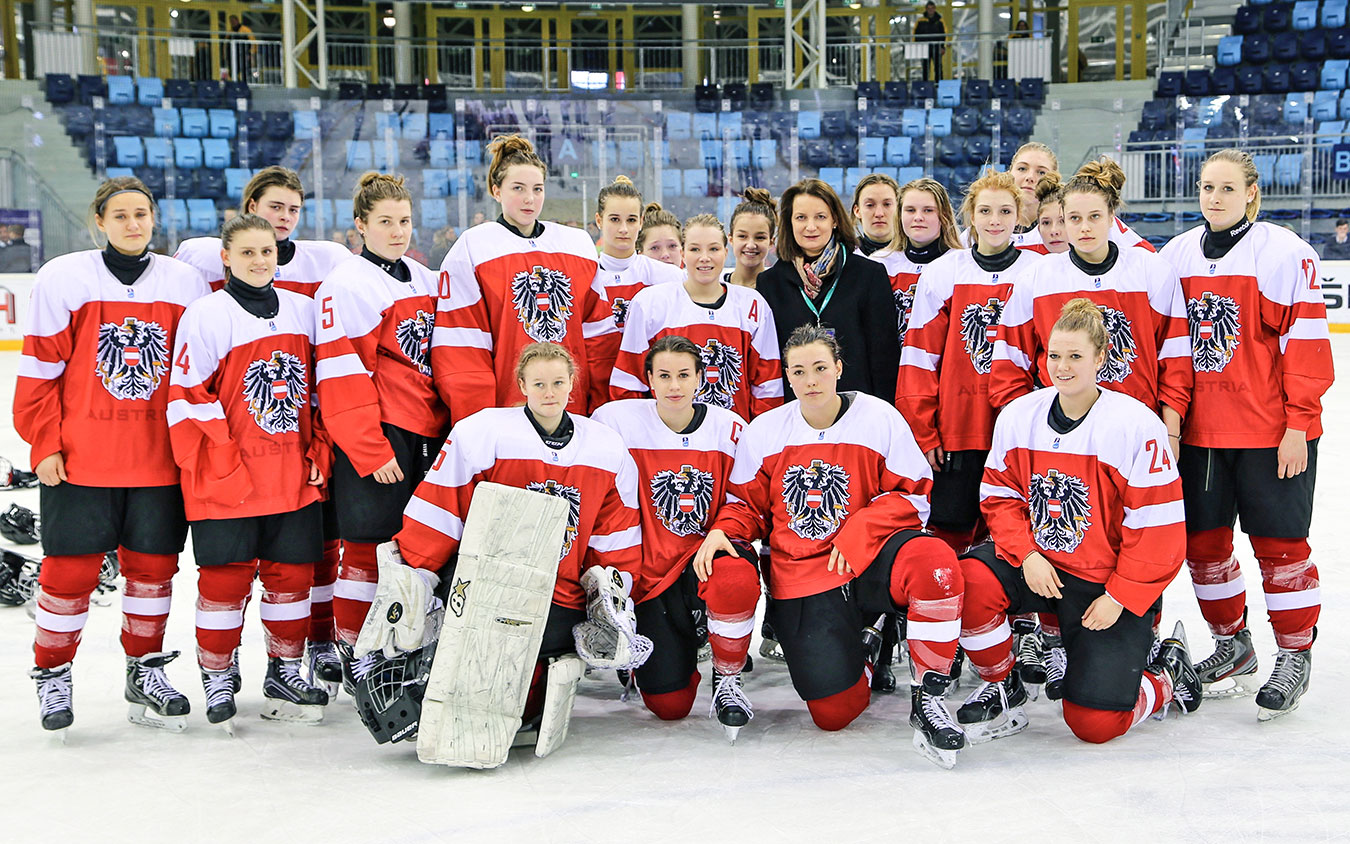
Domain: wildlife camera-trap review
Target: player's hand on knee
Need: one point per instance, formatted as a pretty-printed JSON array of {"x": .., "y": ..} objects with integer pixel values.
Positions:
[
  {"x": 51, "y": 470},
  {"x": 404, "y": 598},
  {"x": 389, "y": 473},
  {"x": 1041, "y": 576},
  {"x": 1102, "y": 613},
  {"x": 608, "y": 638},
  {"x": 716, "y": 541}
]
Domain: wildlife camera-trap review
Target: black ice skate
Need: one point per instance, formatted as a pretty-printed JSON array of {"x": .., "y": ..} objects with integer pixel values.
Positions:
[
  {"x": 958, "y": 666},
  {"x": 1231, "y": 670},
  {"x": 1030, "y": 659},
  {"x": 730, "y": 706},
  {"x": 1174, "y": 658},
  {"x": 769, "y": 647},
  {"x": 1056, "y": 660},
  {"x": 937, "y": 737},
  {"x": 53, "y": 691},
  {"x": 288, "y": 697},
  {"x": 220, "y": 708},
  {"x": 325, "y": 667},
  {"x": 152, "y": 699},
  {"x": 994, "y": 710},
  {"x": 1290, "y": 679},
  {"x": 882, "y": 654}
]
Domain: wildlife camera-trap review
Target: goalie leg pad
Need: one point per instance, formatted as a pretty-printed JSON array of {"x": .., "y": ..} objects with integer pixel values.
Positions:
[
  {"x": 499, "y": 600},
  {"x": 564, "y": 673}
]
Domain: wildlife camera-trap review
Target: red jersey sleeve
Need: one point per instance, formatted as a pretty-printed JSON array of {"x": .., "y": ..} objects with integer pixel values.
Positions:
[
  {"x": 743, "y": 516},
  {"x": 920, "y": 362},
  {"x": 433, "y": 521},
  {"x": 621, "y": 545},
  {"x": 906, "y": 482},
  {"x": 765, "y": 364},
  {"x": 461, "y": 343},
  {"x": 1292, "y": 305},
  {"x": 1017, "y": 348},
  {"x": 1002, "y": 503},
  {"x": 602, "y": 340},
  {"x": 1172, "y": 333},
  {"x": 47, "y": 347},
  {"x": 1153, "y": 531},
  {"x": 347, "y": 343}
]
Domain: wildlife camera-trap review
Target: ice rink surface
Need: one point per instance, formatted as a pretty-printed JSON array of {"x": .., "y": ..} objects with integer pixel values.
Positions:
[{"x": 623, "y": 775}]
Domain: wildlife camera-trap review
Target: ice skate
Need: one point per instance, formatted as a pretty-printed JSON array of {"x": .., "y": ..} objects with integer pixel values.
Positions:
[
  {"x": 730, "y": 706},
  {"x": 769, "y": 647},
  {"x": 879, "y": 651},
  {"x": 152, "y": 700},
  {"x": 1031, "y": 662},
  {"x": 1290, "y": 679},
  {"x": 220, "y": 708},
  {"x": 53, "y": 691},
  {"x": 1231, "y": 670},
  {"x": 994, "y": 710},
  {"x": 325, "y": 667},
  {"x": 1056, "y": 661},
  {"x": 287, "y": 697},
  {"x": 936, "y": 735},
  {"x": 958, "y": 665},
  {"x": 1174, "y": 658}
]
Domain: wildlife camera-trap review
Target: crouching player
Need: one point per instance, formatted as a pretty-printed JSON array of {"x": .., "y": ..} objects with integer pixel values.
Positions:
[
  {"x": 253, "y": 461},
  {"x": 1084, "y": 507},
  {"x": 539, "y": 447},
  {"x": 684, "y": 452}
]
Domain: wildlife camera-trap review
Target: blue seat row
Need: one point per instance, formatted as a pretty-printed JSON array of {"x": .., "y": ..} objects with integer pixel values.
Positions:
[
  {"x": 953, "y": 93},
  {"x": 151, "y": 91},
  {"x": 1276, "y": 18}
]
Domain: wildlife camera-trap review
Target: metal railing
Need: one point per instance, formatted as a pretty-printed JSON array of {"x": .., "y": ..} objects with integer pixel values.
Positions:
[{"x": 21, "y": 186}]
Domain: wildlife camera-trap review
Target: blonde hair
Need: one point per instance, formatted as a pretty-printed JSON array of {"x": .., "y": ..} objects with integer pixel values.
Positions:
[
  {"x": 757, "y": 201},
  {"x": 1036, "y": 146},
  {"x": 1083, "y": 314},
  {"x": 543, "y": 352},
  {"x": 991, "y": 180},
  {"x": 709, "y": 220},
  {"x": 508, "y": 151},
  {"x": 376, "y": 187},
  {"x": 1249, "y": 175},
  {"x": 946, "y": 216},
  {"x": 1049, "y": 190},
  {"x": 244, "y": 223},
  {"x": 622, "y": 186},
  {"x": 275, "y": 176},
  {"x": 654, "y": 217},
  {"x": 109, "y": 189},
  {"x": 1102, "y": 177}
]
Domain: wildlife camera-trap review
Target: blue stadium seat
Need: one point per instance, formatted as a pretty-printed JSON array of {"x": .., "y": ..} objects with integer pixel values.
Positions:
[
  {"x": 280, "y": 125},
  {"x": 966, "y": 120},
  {"x": 1276, "y": 17},
  {"x": 1249, "y": 79},
  {"x": 834, "y": 124},
  {"x": 914, "y": 122},
  {"x": 977, "y": 150},
  {"x": 905, "y": 175},
  {"x": 154, "y": 179},
  {"x": 977, "y": 93},
  {"x": 670, "y": 183},
  {"x": 729, "y": 122},
  {"x": 187, "y": 152},
  {"x": 898, "y": 151},
  {"x": 696, "y": 182},
  {"x": 222, "y": 123},
  {"x": 1284, "y": 47},
  {"x": 1345, "y": 106},
  {"x": 165, "y": 122},
  {"x": 844, "y": 150},
  {"x": 1031, "y": 91},
  {"x": 1312, "y": 45},
  {"x": 441, "y": 153},
  {"x": 874, "y": 151},
  {"x": 216, "y": 153},
  {"x": 1223, "y": 81},
  {"x": 834, "y": 177},
  {"x": 89, "y": 87},
  {"x": 951, "y": 151},
  {"x": 441, "y": 126},
  {"x": 1154, "y": 115},
  {"x": 235, "y": 180},
  {"x": 359, "y": 156},
  {"x": 1229, "y": 52},
  {"x": 211, "y": 184},
  {"x": 208, "y": 93},
  {"x": 1246, "y": 20},
  {"x": 1265, "y": 169},
  {"x": 895, "y": 94},
  {"x": 883, "y": 121},
  {"x": 1305, "y": 15},
  {"x": 949, "y": 93},
  {"x": 435, "y": 183},
  {"x": 415, "y": 126},
  {"x": 765, "y": 153},
  {"x": 940, "y": 121},
  {"x": 201, "y": 215},
  {"x": 195, "y": 123},
  {"x": 1195, "y": 83},
  {"x": 1256, "y": 48},
  {"x": 158, "y": 151},
  {"x": 473, "y": 152},
  {"x": 1333, "y": 14},
  {"x": 808, "y": 124},
  {"x": 1276, "y": 79},
  {"x": 1304, "y": 76},
  {"x": 966, "y": 175},
  {"x": 1019, "y": 121},
  {"x": 121, "y": 90},
  {"x": 705, "y": 125},
  {"x": 920, "y": 90},
  {"x": 252, "y": 124},
  {"x": 1338, "y": 43},
  {"x": 678, "y": 125},
  {"x": 740, "y": 154},
  {"x": 234, "y": 91},
  {"x": 707, "y": 97},
  {"x": 852, "y": 176},
  {"x": 381, "y": 152},
  {"x": 1289, "y": 170},
  {"x": 129, "y": 152},
  {"x": 886, "y": 171},
  {"x": 1169, "y": 84},
  {"x": 1331, "y": 132},
  {"x": 1326, "y": 105},
  {"x": 1139, "y": 136},
  {"x": 175, "y": 214},
  {"x": 181, "y": 91},
  {"x": 1004, "y": 89},
  {"x": 60, "y": 89},
  {"x": 1193, "y": 141},
  {"x": 119, "y": 172},
  {"x": 710, "y": 153},
  {"x": 387, "y": 121},
  {"x": 434, "y": 215},
  {"x": 870, "y": 91}
]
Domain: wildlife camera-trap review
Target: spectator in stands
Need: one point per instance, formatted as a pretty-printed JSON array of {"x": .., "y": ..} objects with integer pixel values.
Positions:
[
  {"x": 244, "y": 49},
  {"x": 354, "y": 241},
  {"x": 16, "y": 256},
  {"x": 441, "y": 242},
  {"x": 338, "y": 237},
  {"x": 1338, "y": 248},
  {"x": 230, "y": 214},
  {"x": 1021, "y": 30},
  {"x": 931, "y": 28},
  {"x": 478, "y": 217},
  {"x": 413, "y": 252}
]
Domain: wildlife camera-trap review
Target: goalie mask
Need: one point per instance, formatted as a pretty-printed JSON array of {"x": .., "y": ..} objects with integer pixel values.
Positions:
[{"x": 389, "y": 692}]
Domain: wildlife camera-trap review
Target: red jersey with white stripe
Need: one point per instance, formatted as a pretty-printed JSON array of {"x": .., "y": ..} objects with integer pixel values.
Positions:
[
  {"x": 303, "y": 274},
  {"x": 94, "y": 377},
  {"x": 502, "y": 292},
  {"x": 682, "y": 482},
  {"x": 593, "y": 473},
  {"x": 904, "y": 275},
  {"x": 374, "y": 333},
  {"x": 1150, "y": 353},
  {"x": 1260, "y": 344},
  {"x": 853, "y": 486},
  {"x": 624, "y": 278},
  {"x": 943, "y": 387},
  {"x": 1102, "y": 502},
  {"x": 241, "y": 417},
  {"x": 738, "y": 339}
]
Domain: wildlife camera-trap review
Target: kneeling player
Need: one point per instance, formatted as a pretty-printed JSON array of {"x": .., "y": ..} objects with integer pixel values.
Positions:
[
  {"x": 1084, "y": 507},
  {"x": 539, "y": 447},
  {"x": 252, "y": 464},
  {"x": 839, "y": 486},
  {"x": 684, "y": 452}
]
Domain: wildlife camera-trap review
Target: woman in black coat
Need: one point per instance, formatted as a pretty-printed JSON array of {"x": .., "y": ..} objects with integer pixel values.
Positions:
[{"x": 820, "y": 277}]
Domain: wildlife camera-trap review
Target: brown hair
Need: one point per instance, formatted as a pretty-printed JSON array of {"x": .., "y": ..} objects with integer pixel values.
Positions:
[
  {"x": 244, "y": 223},
  {"x": 109, "y": 189},
  {"x": 1102, "y": 177},
  {"x": 875, "y": 179},
  {"x": 1049, "y": 190},
  {"x": 375, "y": 187},
  {"x": 757, "y": 201},
  {"x": 621, "y": 186},
  {"x": 543, "y": 351},
  {"x": 275, "y": 176},
  {"x": 653, "y": 217},
  {"x": 675, "y": 344},
  {"x": 844, "y": 232},
  {"x": 508, "y": 151},
  {"x": 1083, "y": 314},
  {"x": 991, "y": 180},
  {"x": 946, "y": 216},
  {"x": 1249, "y": 175},
  {"x": 709, "y": 220},
  {"x": 1036, "y": 146},
  {"x": 805, "y": 335}
]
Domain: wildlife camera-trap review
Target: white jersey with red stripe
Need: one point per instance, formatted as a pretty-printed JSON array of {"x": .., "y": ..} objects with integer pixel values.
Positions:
[
  {"x": 851, "y": 486},
  {"x": 503, "y": 291},
  {"x": 311, "y": 264},
  {"x": 738, "y": 339},
  {"x": 93, "y": 381},
  {"x": 1260, "y": 344},
  {"x": 1102, "y": 501},
  {"x": 624, "y": 278},
  {"x": 593, "y": 473},
  {"x": 904, "y": 274},
  {"x": 241, "y": 400},
  {"x": 682, "y": 482}
]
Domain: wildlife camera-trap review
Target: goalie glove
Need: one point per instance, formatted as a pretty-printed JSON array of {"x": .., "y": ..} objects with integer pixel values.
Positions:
[
  {"x": 397, "y": 620},
  {"x": 608, "y": 638}
]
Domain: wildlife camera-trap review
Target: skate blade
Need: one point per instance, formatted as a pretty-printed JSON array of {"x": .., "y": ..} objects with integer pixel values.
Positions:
[
  {"x": 1010, "y": 723},
  {"x": 731, "y": 733},
  {"x": 771, "y": 651},
  {"x": 228, "y": 727},
  {"x": 945, "y": 759},
  {"x": 1263, "y": 714},
  {"x": 140, "y": 714},
  {"x": 953, "y": 688},
  {"x": 1237, "y": 685},
  {"x": 704, "y": 653},
  {"x": 59, "y": 738},
  {"x": 285, "y": 710},
  {"x": 1033, "y": 690}
]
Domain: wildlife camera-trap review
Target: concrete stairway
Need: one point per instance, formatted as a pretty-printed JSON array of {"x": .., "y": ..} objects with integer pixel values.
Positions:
[
  {"x": 1088, "y": 117},
  {"x": 35, "y": 131}
]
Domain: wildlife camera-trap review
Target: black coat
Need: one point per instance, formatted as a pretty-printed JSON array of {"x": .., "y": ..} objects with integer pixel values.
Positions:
[{"x": 862, "y": 314}]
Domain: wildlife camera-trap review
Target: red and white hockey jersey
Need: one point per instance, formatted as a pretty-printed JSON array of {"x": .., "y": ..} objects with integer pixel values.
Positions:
[
  {"x": 502, "y": 292},
  {"x": 311, "y": 264},
  {"x": 624, "y": 278},
  {"x": 739, "y": 343},
  {"x": 593, "y": 473},
  {"x": 682, "y": 482},
  {"x": 1102, "y": 502},
  {"x": 943, "y": 387},
  {"x": 853, "y": 485},
  {"x": 241, "y": 400},
  {"x": 1150, "y": 352},
  {"x": 1259, "y": 339},
  {"x": 374, "y": 333},
  {"x": 94, "y": 377},
  {"x": 904, "y": 275}
]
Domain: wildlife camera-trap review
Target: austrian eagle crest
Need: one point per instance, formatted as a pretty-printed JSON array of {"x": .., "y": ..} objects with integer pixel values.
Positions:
[
  {"x": 1216, "y": 329},
  {"x": 722, "y": 372},
  {"x": 414, "y": 340},
  {"x": 542, "y": 298},
  {"x": 904, "y": 304},
  {"x": 979, "y": 330},
  {"x": 275, "y": 390},
  {"x": 1059, "y": 510},
  {"x": 682, "y": 499},
  {"x": 132, "y": 357},
  {"x": 620, "y": 311},
  {"x": 816, "y": 498},
  {"x": 1122, "y": 348},
  {"x": 572, "y": 496}
]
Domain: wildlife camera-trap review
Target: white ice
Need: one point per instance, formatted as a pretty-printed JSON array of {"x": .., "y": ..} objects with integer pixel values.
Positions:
[{"x": 623, "y": 775}]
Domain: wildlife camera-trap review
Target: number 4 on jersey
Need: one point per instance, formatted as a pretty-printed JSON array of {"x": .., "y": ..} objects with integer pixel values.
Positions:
[
  {"x": 1159, "y": 460},
  {"x": 183, "y": 363}
]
